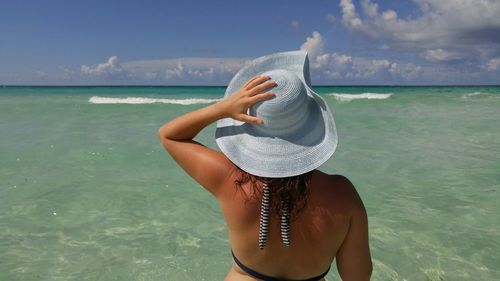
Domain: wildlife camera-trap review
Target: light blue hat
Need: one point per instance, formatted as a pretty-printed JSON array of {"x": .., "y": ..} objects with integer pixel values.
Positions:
[{"x": 298, "y": 134}]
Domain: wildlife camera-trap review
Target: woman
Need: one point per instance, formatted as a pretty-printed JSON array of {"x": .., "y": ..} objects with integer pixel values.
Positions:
[{"x": 286, "y": 219}]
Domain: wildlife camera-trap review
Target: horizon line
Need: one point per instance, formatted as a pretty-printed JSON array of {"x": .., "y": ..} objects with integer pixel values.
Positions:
[{"x": 320, "y": 85}]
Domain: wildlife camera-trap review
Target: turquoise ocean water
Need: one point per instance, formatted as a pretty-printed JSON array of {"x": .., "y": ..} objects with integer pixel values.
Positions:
[{"x": 88, "y": 193}]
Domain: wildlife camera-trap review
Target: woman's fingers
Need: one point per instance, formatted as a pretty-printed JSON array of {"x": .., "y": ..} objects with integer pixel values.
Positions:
[
  {"x": 250, "y": 119},
  {"x": 264, "y": 86},
  {"x": 262, "y": 97},
  {"x": 256, "y": 82},
  {"x": 250, "y": 94},
  {"x": 250, "y": 80}
]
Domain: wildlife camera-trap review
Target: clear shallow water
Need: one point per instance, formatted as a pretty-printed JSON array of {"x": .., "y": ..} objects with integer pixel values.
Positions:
[{"x": 87, "y": 192}]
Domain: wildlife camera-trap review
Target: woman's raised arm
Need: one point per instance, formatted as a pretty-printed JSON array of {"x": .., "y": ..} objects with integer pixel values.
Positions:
[{"x": 207, "y": 166}]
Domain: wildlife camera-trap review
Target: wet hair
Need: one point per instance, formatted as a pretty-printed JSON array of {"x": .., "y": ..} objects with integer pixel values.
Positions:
[{"x": 293, "y": 189}]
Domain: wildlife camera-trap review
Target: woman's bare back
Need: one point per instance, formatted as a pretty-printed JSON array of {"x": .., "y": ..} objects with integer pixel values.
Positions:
[
  {"x": 333, "y": 225},
  {"x": 317, "y": 234}
]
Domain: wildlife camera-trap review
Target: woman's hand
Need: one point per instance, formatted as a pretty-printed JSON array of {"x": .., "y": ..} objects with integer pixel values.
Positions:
[
  {"x": 236, "y": 106},
  {"x": 210, "y": 166}
]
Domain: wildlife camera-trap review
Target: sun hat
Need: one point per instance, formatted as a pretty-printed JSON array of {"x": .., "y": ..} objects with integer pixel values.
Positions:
[{"x": 298, "y": 133}]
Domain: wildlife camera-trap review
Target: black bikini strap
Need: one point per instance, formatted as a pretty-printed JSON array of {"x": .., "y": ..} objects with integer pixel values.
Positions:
[
  {"x": 263, "y": 277},
  {"x": 252, "y": 272}
]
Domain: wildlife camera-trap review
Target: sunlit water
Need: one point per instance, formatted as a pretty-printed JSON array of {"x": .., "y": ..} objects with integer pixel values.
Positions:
[{"x": 88, "y": 193}]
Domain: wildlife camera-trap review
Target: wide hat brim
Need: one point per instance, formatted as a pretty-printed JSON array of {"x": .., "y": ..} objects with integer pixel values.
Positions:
[{"x": 293, "y": 154}]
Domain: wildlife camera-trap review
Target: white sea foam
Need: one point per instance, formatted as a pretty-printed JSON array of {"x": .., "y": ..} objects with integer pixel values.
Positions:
[
  {"x": 471, "y": 94},
  {"x": 368, "y": 96},
  {"x": 139, "y": 100}
]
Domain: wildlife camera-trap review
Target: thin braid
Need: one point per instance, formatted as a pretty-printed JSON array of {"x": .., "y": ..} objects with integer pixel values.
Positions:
[
  {"x": 285, "y": 223},
  {"x": 264, "y": 216},
  {"x": 289, "y": 198}
]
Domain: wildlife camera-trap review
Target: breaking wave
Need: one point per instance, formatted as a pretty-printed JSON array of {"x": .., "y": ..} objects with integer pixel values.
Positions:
[
  {"x": 367, "y": 96},
  {"x": 138, "y": 100},
  {"x": 468, "y": 95}
]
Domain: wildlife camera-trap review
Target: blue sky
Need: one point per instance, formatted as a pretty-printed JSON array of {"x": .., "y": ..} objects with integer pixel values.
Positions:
[{"x": 205, "y": 42}]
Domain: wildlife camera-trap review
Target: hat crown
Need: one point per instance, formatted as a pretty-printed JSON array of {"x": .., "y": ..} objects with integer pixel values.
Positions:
[
  {"x": 287, "y": 110},
  {"x": 298, "y": 134}
]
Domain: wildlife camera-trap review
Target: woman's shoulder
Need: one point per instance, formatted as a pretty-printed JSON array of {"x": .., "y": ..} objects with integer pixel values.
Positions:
[
  {"x": 333, "y": 181},
  {"x": 338, "y": 190}
]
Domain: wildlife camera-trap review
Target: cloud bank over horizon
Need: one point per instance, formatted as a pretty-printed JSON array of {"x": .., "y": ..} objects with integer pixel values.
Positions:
[
  {"x": 361, "y": 42},
  {"x": 458, "y": 38}
]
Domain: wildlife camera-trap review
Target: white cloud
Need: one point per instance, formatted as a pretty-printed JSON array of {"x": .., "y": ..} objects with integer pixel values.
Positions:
[
  {"x": 318, "y": 59},
  {"x": 365, "y": 68},
  {"x": 150, "y": 75},
  {"x": 441, "y": 55},
  {"x": 349, "y": 15},
  {"x": 333, "y": 60},
  {"x": 180, "y": 72},
  {"x": 493, "y": 64},
  {"x": 440, "y": 20},
  {"x": 314, "y": 45},
  {"x": 186, "y": 70},
  {"x": 108, "y": 70},
  {"x": 341, "y": 59},
  {"x": 409, "y": 71},
  {"x": 342, "y": 66},
  {"x": 445, "y": 31},
  {"x": 175, "y": 73},
  {"x": 207, "y": 71}
]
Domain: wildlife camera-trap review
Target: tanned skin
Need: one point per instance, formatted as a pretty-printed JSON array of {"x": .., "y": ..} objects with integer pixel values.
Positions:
[{"x": 333, "y": 225}]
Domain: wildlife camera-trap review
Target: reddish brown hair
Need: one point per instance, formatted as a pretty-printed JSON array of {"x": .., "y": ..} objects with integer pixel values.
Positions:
[{"x": 294, "y": 189}]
